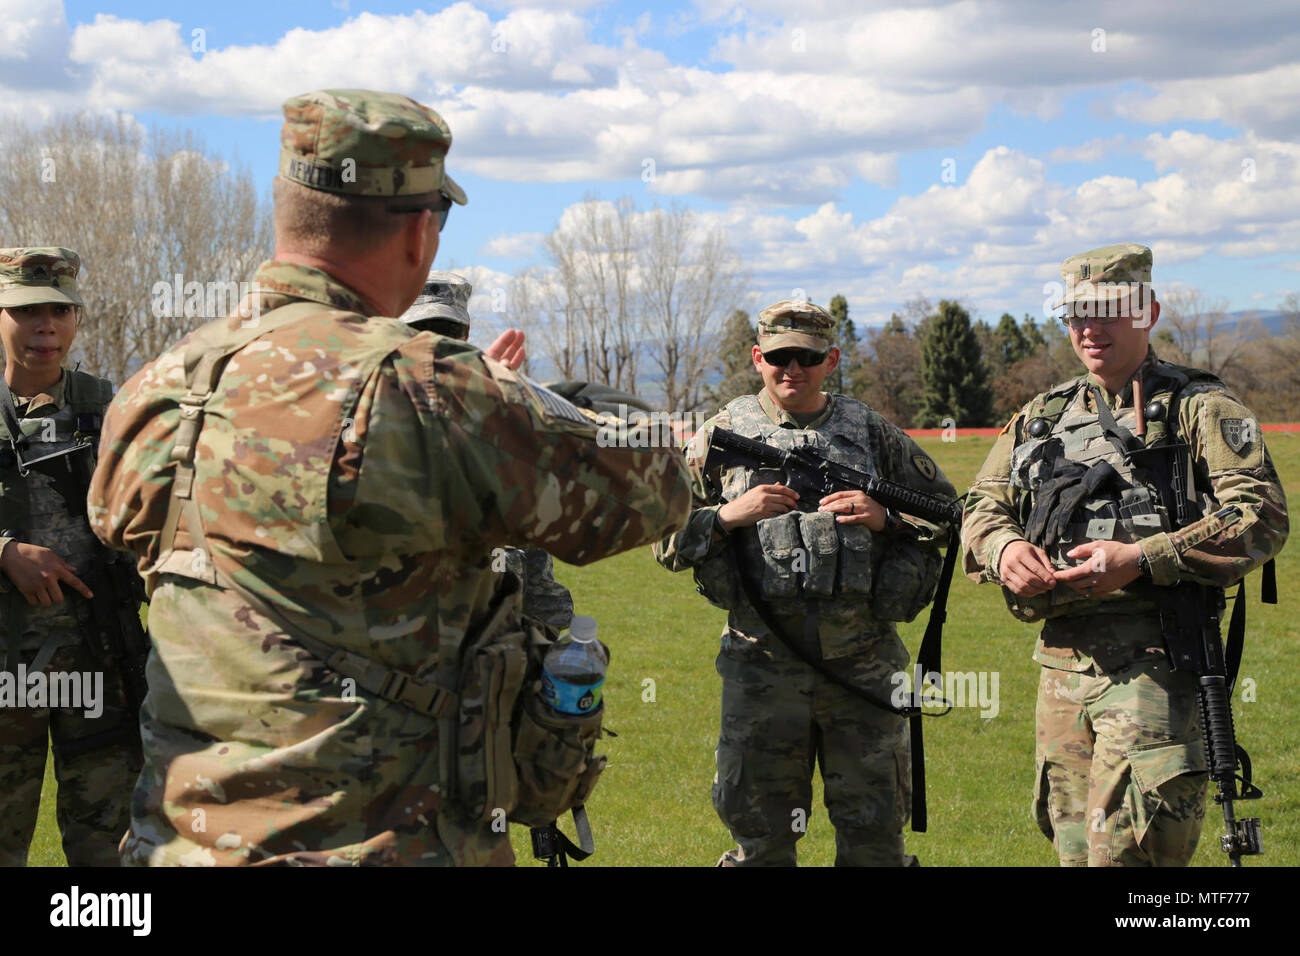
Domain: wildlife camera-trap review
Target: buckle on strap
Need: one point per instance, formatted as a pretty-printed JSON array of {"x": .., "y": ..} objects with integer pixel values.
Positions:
[{"x": 392, "y": 685}]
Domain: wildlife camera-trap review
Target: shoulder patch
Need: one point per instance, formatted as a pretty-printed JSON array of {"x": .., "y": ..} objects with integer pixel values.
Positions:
[
  {"x": 554, "y": 404},
  {"x": 925, "y": 466},
  {"x": 1237, "y": 432}
]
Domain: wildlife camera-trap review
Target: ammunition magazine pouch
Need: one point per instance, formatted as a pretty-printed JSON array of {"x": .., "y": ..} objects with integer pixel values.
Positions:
[{"x": 809, "y": 555}]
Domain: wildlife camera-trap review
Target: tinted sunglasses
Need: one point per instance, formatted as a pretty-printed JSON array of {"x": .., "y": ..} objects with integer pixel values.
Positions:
[
  {"x": 1079, "y": 321},
  {"x": 443, "y": 209},
  {"x": 807, "y": 358}
]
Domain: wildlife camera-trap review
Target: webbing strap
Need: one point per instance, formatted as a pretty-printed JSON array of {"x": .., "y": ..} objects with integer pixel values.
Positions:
[
  {"x": 205, "y": 359},
  {"x": 1236, "y": 638},
  {"x": 1268, "y": 583},
  {"x": 929, "y": 660}
]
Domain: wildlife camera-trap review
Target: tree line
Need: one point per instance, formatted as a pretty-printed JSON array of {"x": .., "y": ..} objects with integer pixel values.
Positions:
[
  {"x": 645, "y": 300},
  {"x": 931, "y": 366}
]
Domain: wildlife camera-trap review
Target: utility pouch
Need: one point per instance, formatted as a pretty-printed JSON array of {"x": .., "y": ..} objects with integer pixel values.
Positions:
[
  {"x": 556, "y": 761},
  {"x": 511, "y": 754},
  {"x": 719, "y": 580},
  {"x": 906, "y": 578},
  {"x": 1041, "y": 607}
]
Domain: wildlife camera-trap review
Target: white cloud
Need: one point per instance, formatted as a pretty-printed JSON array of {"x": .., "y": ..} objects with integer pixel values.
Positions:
[
  {"x": 1267, "y": 101},
  {"x": 521, "y": 245},
  {"x": 796, "y": 120}
]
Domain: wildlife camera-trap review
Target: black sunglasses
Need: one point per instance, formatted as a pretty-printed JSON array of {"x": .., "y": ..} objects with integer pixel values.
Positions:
[
  {"x": 443, "y": 209},
  {"x": 807, "y": 358}
]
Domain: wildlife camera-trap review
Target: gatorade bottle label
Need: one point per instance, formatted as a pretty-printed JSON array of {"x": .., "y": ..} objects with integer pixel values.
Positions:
[{"x": 570, "y": 698}]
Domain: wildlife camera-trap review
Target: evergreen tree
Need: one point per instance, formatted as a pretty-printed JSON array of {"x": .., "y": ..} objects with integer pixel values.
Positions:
[
  {"x": 846, "y": 337},
  {"x": 1010, "y": 342},
  {"x": 953, "y": 372},
  {"x": 1029, "y": 329},
  {"x": 735, "y": 359}
]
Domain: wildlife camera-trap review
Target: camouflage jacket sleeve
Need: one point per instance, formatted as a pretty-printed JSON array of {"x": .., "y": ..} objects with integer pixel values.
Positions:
[
  {"x": 991, "y": 521},
  {"x": 701, "y": 538},
  {"x": 528, "y": 467},
  {"x": 903, "y": 461},
  {"x": 1247, "y": 522}
]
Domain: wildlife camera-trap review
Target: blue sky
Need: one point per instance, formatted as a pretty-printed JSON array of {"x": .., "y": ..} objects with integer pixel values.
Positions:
[{"x": 880, "y": 150}]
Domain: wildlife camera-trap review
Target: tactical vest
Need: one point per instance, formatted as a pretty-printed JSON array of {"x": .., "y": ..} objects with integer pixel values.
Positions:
[
  {"x": 1126, "y": 509},
  {"x": 47, "y": 507},
  {"x": 806, "y": 554}
]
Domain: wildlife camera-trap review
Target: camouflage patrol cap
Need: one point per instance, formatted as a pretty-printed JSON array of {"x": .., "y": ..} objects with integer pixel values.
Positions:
[
  {"x": 1110, "y": 275},
  {"x": 445, "y": 297},
  {"x": 37, "y": 275},
  {"x": 364, "y": 143},
  {"x": 793, "y": 323}
]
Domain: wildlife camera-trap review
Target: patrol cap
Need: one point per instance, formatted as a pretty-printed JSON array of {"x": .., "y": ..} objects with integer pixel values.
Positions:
[
  {"x": 364, "y": 143},
  {"x": 1109, "y": 275},
  {"x": 794, "y": 323},
  {"x": 32, "y": 276},
  {"x": 445, "y": 296}
]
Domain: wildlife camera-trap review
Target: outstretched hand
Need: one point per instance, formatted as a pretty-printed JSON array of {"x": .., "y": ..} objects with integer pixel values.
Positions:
[{"x": 508, "y": 349}]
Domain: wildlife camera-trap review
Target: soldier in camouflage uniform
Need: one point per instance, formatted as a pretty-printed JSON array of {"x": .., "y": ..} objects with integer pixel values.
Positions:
[
  {"x": 1120, "y": 776},
  {"x": 324, "y": 502},
  {"x": 47, "y": 552},
  {"x": 821, "y": 563}
]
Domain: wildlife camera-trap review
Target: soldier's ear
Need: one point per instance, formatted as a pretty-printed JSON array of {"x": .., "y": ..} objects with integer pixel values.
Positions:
[{"x": 832, "y": 359}]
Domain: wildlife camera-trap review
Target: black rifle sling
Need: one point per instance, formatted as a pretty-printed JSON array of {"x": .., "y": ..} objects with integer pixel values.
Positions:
[
  {"x": 9, "y": 413},
  {"x": 928, "y": 661}
]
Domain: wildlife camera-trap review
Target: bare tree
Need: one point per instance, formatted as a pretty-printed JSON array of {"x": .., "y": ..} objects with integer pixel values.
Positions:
[
  {"x": 625, "y": 288},
  {"x": 1203, "y": 334},
  {"x": 141, "y": 210},
  {"x": 593, "y": 257},
  {"x": 691, "y": 280}
]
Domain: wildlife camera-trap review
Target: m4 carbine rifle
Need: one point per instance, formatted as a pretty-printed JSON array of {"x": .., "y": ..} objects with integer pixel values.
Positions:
[
  {"x": 808, "y": 473},
  {"x": 1190, "y": 616}
]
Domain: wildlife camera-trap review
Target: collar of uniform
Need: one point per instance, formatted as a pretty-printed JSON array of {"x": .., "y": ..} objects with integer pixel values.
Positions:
[
  {"x": 1125, "y": 395},
  {"x": 783, "y": 418},
  {"x": 51, "y": 396},
  {"x": 291, "y": 280}
]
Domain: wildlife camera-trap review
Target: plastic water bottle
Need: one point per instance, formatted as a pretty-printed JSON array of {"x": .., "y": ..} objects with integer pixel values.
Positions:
[{"x": 574, "y": 670}]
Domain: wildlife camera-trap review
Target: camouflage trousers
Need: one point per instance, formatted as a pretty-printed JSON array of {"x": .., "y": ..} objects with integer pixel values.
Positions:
[
  {"x": 1120, "y": 777},
  {"x": 94, "y": 788},
  {"x": 778, "y": 719}
]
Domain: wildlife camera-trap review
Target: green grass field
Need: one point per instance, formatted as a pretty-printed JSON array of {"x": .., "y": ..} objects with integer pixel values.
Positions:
[{"x": 652, "y": 807}]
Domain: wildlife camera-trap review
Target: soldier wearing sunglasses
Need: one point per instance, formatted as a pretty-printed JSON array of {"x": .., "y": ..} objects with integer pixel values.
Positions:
[{"x": 819, "y": 566}]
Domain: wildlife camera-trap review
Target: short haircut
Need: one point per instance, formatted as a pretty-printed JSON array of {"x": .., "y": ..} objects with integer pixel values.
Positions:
[{"x": 315, "y": 221}]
